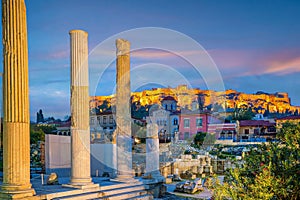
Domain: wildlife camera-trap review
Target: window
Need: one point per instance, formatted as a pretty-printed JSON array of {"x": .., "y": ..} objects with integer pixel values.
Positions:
[
  {"x": 166, "y": 107},
  {"x": 271, "y": 129},
  {"x": 111, "y": 119},
  {"x": 104, "y": 119},
  {"x": 92, "y": 121},
  {"x": 186, "y": 135},
  {"x": 246, "y": 131},
  {"x": 199, "y": 122},
  {"x": 186, "y": 123},
  {"x": 175, "y": 121}
]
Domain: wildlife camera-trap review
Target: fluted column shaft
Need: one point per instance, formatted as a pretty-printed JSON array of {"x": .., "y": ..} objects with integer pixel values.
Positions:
[
  {"x": 16, "y": 137},
  {"x": 80, "y": 128},
  {"x": 123, "y": 110},
  {"x": 152, "y": 150}
]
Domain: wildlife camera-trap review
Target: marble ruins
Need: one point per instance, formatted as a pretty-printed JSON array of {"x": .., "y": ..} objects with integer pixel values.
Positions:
[
  {"x": 16, "y": 144},
  {"x": 80, "y": 127},
  {"x": 123, "y": 113},
  {"x": 16, "y": 138}
]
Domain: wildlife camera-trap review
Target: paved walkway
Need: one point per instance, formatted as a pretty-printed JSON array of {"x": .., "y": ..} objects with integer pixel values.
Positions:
[{"x": 40, "y": 189}]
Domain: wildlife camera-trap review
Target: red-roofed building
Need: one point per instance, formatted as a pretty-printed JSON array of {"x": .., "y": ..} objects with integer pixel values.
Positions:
[
  {"x": 248, "y": 129},
  {"x": 223, "y": 130}
]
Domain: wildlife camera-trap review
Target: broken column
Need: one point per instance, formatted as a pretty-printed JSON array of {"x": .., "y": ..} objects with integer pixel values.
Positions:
[
  {"x": 16, "y": 137},
  {"x": 123, "y": 112},
  {"x": 80, "y": 127},
  {"x": 152, "y": 152}
]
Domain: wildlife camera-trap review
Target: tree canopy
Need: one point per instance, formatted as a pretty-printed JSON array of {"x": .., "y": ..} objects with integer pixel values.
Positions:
[
  {"x": 270, "y": 171},
  {"x": 37, "y": 132},
  {"x": 243, "y": 113}
]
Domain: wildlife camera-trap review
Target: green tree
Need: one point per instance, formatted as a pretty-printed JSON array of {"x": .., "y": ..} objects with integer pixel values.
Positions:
[
  {"x": 36, "y": 136},
  {"x": 199, "y": 138},
  {"x": 270, "y": 171},
  {"x": 47, "y": 129},
  {"x": 209, "y": 139},
  {"x": 243, "y": 113},
  {"x": 37, "y": 132}
]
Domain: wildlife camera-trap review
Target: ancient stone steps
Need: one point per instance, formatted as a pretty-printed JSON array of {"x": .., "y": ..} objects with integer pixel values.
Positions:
[
  {"x": 126, "y": 195},
  {"x": 121, "y": 190},
  {"x": 115, "y": 186},
  {"x": 143, "y": 197},
  {"x": 112, "y": 192}
]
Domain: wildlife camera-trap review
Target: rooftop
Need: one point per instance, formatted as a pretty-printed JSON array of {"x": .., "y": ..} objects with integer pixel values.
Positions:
[
  {"x": 293, "y": 117},
  {"x": 256, "y": 123}
]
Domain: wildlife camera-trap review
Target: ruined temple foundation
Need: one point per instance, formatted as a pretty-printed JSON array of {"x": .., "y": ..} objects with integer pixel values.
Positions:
[
  {"x": 123, "y": 113},
  {"x": 16, "y": 137},
  {"x": 80, "y": 128}
]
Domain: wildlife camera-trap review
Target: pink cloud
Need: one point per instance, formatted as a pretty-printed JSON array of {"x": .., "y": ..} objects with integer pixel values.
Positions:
[
  {"x": 151, "y": 53},
  {"x": 59, "y": 54},
  {"x": 236, "y": 63},
  {"x": 283, "y": 67},
  {"x": 227, "y": 58},
  {"x": 156, "y": 53}
]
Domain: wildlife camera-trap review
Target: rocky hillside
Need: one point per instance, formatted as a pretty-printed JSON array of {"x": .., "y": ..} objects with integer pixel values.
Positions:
[{"x": 259, "y": 102}]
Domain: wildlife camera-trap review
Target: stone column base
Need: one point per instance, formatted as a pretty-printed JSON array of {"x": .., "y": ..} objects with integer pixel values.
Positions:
[
  {"x": 20, "y": 194},
  {"x": 82, "y": 187},
  {"x": 154, "y": 176},
  {"x": 125, "y": 179}
]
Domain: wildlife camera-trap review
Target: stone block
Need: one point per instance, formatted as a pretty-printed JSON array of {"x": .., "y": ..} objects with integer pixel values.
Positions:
[{"x": 168, "y": 180}]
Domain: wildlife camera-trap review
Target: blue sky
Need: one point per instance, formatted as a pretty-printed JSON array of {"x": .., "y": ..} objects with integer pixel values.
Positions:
[{"x": 255, "y": 43}]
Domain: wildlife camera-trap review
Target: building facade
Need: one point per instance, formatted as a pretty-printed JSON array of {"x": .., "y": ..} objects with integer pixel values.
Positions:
[
  {"x": 255, "y": 130},
  {"x": 192, "y": 122},
  {"x": 102, "y": 124}
]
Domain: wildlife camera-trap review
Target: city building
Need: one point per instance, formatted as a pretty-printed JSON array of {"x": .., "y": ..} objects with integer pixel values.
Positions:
[
  {"x": 166, "y": 117},
  {"x": 192, "y": 122},
  {"x": 100, "y": 124},
  {"x": 255, "y": 130},
  {"x": 223, "y": 131}
]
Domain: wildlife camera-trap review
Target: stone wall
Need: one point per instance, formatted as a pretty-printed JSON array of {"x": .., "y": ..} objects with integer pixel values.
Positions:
[
  {"x": 200, "y": 165},
  {"x": 58, "y": 155}
]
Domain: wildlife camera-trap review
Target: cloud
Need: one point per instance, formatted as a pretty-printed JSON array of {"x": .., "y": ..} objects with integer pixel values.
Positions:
[
  {"x": 157, "y": 53},
  {"x": 283, "y": 67},
  {"x": 47, "y": 55},
  {"x": 53, "y": 101},
  {"x": 228, "y": 58},
  {"x": 236, "y": 63},
  {"x": 151, "y": 53},
  {"x": 59, "y": 54}
]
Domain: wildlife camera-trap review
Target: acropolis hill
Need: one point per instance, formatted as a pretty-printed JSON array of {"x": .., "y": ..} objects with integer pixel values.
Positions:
[{"x": 260, "y": 102}]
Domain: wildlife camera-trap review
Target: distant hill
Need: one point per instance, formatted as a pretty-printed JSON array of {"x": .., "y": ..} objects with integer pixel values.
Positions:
[{"x": 217, "y": 101}]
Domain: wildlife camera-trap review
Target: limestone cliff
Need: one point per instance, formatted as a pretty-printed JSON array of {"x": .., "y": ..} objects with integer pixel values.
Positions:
[{"x": 260, "y": 102}]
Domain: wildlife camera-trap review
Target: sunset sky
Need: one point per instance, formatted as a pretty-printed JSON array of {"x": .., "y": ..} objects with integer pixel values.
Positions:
[{"x": 255, "y": 44}]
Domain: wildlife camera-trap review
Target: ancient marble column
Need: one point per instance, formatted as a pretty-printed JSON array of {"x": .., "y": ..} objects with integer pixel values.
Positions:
[
  {"x": 16, "y": 137},
  {"x": 123, "y": 112},
  {"x": 80, "y": 127},
  {"x": 152, "y": 152}
]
